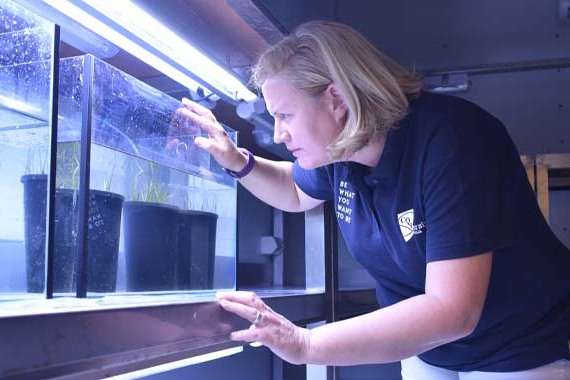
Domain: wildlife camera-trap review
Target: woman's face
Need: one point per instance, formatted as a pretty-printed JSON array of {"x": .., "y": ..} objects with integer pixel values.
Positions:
[{"x": 305, "y": 124}]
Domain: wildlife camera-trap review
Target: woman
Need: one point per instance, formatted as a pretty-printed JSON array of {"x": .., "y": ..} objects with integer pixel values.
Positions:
[{"x": 432, "y": 200}]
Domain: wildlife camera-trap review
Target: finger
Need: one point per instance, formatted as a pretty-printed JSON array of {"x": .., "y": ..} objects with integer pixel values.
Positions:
[
  {"x": 212, "y": 128},
  {"x": 244, "y": 297},
  {"x": 172, "y": 143},
  {"x": 269, "y": 318},
  {"x": 249, "y": 335},
  {"x": 246, "y": 312},
  {"x": 209, "y": 145},
  {"x": 223, "y": 328},
  {"x": 203, "y": 143},
  {"x": 235, "y": 295},
  {"x": 198, "y": 108},
  {"x": 183, "y": 114},
  {"x": 179, "y": 125},
  {"x": 269, "y": 308}
]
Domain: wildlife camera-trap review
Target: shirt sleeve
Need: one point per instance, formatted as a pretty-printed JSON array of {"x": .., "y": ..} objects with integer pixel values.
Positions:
[
  {"x": 314, "y": 182},
  {"x": 467, "y": 175}
]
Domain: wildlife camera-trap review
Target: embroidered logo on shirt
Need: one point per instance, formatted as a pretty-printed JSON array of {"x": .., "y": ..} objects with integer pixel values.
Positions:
[
  {"x": 407, "y": 226},
  {"x": 344, "y": 202}
]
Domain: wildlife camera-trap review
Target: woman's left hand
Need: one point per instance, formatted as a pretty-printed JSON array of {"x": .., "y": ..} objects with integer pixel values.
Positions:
[{"x": 289, "y": 342}]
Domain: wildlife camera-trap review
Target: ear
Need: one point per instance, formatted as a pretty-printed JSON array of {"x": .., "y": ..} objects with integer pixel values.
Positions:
[{"x": 335, "y": 102}]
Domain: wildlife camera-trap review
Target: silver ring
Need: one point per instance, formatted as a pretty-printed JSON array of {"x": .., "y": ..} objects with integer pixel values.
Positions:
[
  {"x": 258, "y": 318},
  {"x": 181, "y": 148}
]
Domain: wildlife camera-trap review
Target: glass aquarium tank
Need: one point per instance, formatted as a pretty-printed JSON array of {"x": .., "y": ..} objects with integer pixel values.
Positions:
[
  {"x": 26, "y": 61},
  {"x": 162, "y": 212},
  {"x": 159, "y": 214}
]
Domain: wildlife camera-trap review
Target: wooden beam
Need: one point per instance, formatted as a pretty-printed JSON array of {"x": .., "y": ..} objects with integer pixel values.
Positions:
[
  {"x": 542, "y": 188},
  {"x": 528, "y": 162},
  {"x": 554, "y": 161}
]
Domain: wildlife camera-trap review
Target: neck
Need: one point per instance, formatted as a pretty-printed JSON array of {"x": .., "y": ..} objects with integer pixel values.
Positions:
[{"x": 370, "y": 154}]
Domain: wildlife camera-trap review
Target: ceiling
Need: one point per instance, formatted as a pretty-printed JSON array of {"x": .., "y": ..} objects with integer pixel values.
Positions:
[
  {"x": 428, "y": 35},
  {"x": 443, "y": 34}
]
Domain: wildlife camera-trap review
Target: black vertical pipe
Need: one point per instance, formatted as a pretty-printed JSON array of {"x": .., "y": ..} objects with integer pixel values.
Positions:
[
  {"x": 237, "y": 230},
  {"x": 50, "y": 214},
  {"x": 331, "y": 270},
  {"x": 84, "y": 173}
]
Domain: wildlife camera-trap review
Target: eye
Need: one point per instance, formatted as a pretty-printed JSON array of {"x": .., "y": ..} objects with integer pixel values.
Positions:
[{"x": 282, "y": 116}]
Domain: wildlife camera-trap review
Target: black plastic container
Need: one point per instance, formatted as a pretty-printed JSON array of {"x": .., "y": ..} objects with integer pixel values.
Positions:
[
  {"x": 103, "y": 240},
  {"x": 35, "y": 198},
  {"x": 151, "y": 245},
  {"x": 197, "y": 250},
  {"x": 103, "y": 237}
]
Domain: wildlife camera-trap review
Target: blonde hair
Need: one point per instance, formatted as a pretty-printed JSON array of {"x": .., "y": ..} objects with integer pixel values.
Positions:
[{"x": 374, "y": 87}]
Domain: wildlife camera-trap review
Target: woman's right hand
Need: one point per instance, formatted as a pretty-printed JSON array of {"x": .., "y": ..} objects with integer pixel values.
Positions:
[{"x": 218, "y": 143}]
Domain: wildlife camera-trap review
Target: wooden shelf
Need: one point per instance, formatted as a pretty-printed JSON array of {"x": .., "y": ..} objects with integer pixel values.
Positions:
[{"x": 539, "y": 169}]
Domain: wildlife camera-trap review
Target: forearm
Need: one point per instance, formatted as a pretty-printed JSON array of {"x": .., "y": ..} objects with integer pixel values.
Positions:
[
  {"x": 391, "y": 334},
  {"x": 272, "y": 182}
]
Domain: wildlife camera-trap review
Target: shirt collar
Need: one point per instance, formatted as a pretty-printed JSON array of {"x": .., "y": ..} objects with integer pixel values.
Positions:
[{"x": 389, "y": 164}]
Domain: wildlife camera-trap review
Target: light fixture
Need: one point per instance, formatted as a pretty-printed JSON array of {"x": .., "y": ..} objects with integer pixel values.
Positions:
[
  {"x": 447, "y": 83},
  {"x": 179, "y": 364},
  {"x": 20, "y": 107},
  {"x": 129, "y": 17},
  {"x": 72, "y": 32}
]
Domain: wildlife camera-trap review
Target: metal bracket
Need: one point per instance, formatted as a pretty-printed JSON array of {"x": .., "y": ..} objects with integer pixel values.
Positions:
[
  {"x": 199, "y": 96},
  {"x": 564, "y": 10},
  {"x": 270, "y": 245},
  {"x": 447, "y": 83}
]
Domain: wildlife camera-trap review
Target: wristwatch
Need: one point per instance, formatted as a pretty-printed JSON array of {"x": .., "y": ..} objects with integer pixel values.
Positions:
[{"x": 248, "y": 166}]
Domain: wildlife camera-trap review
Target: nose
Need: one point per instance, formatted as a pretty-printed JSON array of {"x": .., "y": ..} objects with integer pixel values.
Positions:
[{"x": 279, "y": 134}]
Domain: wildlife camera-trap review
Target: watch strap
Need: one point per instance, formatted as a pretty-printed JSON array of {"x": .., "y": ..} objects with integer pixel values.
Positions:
[{"x": 247, "y": 168}]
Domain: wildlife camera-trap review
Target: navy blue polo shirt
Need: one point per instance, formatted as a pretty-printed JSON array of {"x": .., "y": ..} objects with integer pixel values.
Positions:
[{"x": 450, "y": 184}]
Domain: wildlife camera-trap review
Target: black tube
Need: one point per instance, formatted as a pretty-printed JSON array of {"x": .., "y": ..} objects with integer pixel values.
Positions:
[
  {"x": 84, "y": 171},
  {"x": 50, "y": 233}
]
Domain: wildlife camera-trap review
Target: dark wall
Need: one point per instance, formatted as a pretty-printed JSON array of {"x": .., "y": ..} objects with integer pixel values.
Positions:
[
  {"x": 255, "y": 219},
  {"x": 442, "y": 34},
  {"x": 533, "y": 105}
]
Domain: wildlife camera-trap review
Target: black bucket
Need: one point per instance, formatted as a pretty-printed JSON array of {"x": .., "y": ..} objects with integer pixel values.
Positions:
[
  {"x": 197, "y": 250},
  {"x": 103, "y": 237},
  {"x": 151, "y": 245},
  {"x": 104, "y": 224},
  {"x": 35, "y": 197}
]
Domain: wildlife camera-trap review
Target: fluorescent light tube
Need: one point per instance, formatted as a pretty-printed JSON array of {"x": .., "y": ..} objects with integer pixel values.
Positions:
[
  {"x": 22, "y": 107},
  {"x": 179, "y": 364},
  {"x": 118, "y": 39},
  {"x": 135, "y": 20}
]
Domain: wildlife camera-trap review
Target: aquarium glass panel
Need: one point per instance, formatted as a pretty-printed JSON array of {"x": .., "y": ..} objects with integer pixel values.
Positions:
[
  {"x": 26, "y": 42},
  {"x": 162, "y": 212}
]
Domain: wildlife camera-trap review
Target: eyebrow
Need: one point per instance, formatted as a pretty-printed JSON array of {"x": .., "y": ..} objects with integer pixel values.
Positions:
[{"x": 277, "y": 110}]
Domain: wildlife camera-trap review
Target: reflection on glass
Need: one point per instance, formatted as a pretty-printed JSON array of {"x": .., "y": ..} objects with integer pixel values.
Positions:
[{"x": 25, "y": 61}]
